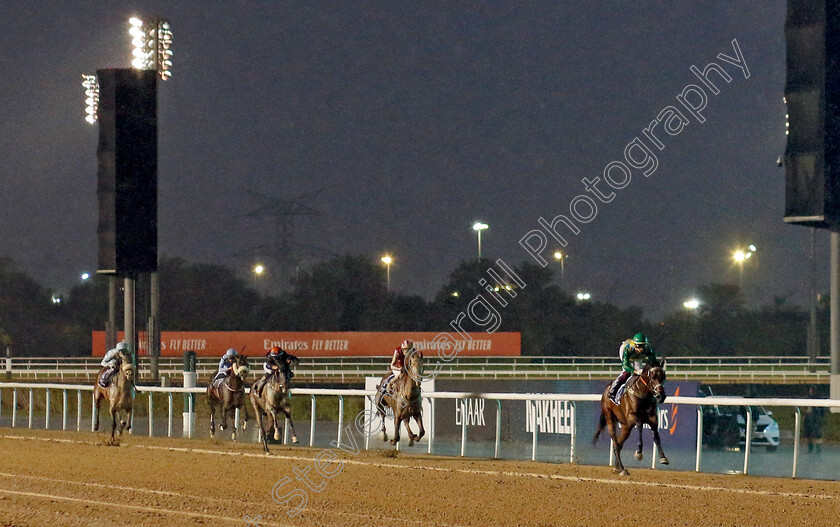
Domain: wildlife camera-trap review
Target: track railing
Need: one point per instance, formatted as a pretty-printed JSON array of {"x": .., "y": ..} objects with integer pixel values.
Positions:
[{"x": 530, "y": 398}]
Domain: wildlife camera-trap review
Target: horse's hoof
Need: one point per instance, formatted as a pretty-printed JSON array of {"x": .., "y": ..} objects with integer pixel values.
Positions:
[
  {"x": 276, "y": 435},
  {"x": 638, "y": 456},
  {"x": 244, "y": 425},
  {"x": 394, "y": 441},
  {"x": 624, "y": 473},
  {"x": 410, "y": 442},
  {"x": 222, "y": 427},
  {"x": 95, "y": 427},
  {"x": 294, "y": 439},
  {"x": 233, "y": 436},
  {"x": 663, "y": 460},
  {"x": 212, "y": 434}
]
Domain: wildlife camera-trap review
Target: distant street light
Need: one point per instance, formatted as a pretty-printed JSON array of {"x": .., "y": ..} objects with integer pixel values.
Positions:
[
  {"x": 387, "y": 261},
  {"x": 583, "y": 296},
  {"x": 478, "y": 227},
  {"x": 691, "y": 304},
  {"x": 85, "y": 276},
  {"x": 739, "y": 256},
  {"x": 559, "y": 256},
  {"x": 259, "y": 269},
  {"x": 55, "y": 299}
]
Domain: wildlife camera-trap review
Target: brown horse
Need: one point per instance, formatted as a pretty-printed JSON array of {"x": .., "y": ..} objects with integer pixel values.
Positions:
[
  {"x": 637, "y": 407},
  {"x": 404, "y": 399},
  {"x": 228, "y": 395},
  {"x": 119, "y": 394},
  {"x": 274, "y": 398}
]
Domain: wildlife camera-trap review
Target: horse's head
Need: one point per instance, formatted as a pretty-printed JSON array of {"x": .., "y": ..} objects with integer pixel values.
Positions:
[
  {"x": 127, "y": 370},
  {"x": 655, "y": 374},
  {"x": 240, "y": 367},
  {"x": 414, "y": 363}
]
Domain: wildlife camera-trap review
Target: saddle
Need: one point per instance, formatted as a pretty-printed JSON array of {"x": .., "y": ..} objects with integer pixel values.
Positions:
[
  {"x": 626, "y": 387},
  {"x": 217, "y": 382}
]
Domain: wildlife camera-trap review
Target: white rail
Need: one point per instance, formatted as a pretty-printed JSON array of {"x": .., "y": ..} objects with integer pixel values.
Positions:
[{"x": 462, "y": 396}]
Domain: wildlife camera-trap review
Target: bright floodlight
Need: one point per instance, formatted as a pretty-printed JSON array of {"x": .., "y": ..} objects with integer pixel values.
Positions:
[
  {"x": 583, "y": 296},
  {"x": 386, "y": 260},
  {"x": 558, "y": 255},
  {"x": 85, "y": 276},
  {"x": 259, "y": 269},
  {"x": 152, "y": 43},
  {"x": 739, "y": 256},
  {"x": 480, "y": 226},
  {"x": 91, "y": 86},
  {"x": 752, "y": 248},
  {"x": 691, "y": 304}
]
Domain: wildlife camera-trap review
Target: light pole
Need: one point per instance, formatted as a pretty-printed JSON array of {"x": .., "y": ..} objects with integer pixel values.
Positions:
[
  {"x": 387, "y": 261},
  {"x": 560, "y": 257},
  {"x": 478, "y": 227}
]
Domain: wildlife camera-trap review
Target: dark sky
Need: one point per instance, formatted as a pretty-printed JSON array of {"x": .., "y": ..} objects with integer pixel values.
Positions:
[{"x": 417, "y": 120}]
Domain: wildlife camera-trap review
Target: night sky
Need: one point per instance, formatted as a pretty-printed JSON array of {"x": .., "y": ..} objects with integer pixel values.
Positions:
[{"x": 415, "y": 120}]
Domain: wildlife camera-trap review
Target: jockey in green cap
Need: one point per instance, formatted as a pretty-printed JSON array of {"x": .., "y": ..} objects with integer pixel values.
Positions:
[{"x": 634, "y": 354}]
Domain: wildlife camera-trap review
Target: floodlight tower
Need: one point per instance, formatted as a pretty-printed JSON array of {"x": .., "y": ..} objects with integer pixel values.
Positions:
[{"x": 125, "y": 105}]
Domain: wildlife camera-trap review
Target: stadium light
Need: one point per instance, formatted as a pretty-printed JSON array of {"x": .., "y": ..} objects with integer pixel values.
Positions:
[
  {"x": 152, "y": 43},
  {"x": 91, "y": 86}
]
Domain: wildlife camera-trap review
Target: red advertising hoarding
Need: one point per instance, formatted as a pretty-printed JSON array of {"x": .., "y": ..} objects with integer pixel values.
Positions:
[{"x": 317, "y": 344}]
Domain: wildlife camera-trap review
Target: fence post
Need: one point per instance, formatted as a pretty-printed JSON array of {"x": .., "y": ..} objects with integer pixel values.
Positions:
[
  {"x": 14, "y": 406},
  {"x": 798, "y": 416},
  {"x": 534, "y": 430},
  {"x": 78, "y": 410},
  {"x": 151, "y": 415},
  {"x": 431, "y": 424},
  {"x": 312, "y": 423},
  {"x": 191, "y": 422},
  {"x": 93, "y": 413},
  {"x": 340, "y": 416},
  {"x": 573, "y": 435},
  {"x": 1, "y": 402},
  {"x": 47, "y": 412},
  {"x": 64, "y": 409},
  {"x": 747, "y": 440},
  {"x": 463, "y": 426},
  {"x": 699, "y": 438},
  {"x": 169, "y": 423},
  {"x": 31, "y": 407},
  {"x": 498, "y": 429}
]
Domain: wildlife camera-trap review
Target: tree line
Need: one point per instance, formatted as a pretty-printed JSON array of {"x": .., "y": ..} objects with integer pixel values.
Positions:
[{"x": 348, "y": 293}]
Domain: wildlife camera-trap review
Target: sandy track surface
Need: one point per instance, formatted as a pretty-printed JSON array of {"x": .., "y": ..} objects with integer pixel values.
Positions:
[{"x": 74, "y": 479}]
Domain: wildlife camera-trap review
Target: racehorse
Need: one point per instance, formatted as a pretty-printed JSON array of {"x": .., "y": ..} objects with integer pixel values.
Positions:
[
  {"x": 119, "y": 394},
  {"x": 404, "y": 399},
  {"x": 229, "y": 394},
  {"x": 274, "y": 398},
  {"x": 637, "y": 407}
]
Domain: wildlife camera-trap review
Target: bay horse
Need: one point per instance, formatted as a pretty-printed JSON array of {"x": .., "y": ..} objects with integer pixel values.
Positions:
[
  {"x": 274, "y": 398},
  {"x": 404, "y": 398},
  {"x": 228, "y": 395},
  {"x": 638, "y": 406},
  {"x": 119, "y": 393}
]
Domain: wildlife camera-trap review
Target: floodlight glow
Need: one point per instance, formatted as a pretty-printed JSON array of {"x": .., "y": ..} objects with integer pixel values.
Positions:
[
  {"x": 583, "y": 296},
  {"x": 134, "y": 21},
  {"x": 386, "y": 260},
  {"x": 480, "y": 226},
  {"x": 91, "y": 86},
  {"x": 752, "y": 248},
  {"x": 691, "y": 304},
  {"x": 739, "y": 256},
  {"x": 85, "y": 276}
]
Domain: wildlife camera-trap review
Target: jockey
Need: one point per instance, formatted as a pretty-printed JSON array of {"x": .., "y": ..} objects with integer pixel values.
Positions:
[
  {"x": 111, "y": 361},
  {"x": 630, "y": 352},
  {"x": 398, "y": 362},
  {"x": 225, "y": 363},
  {"x": 279, "y": 358}
]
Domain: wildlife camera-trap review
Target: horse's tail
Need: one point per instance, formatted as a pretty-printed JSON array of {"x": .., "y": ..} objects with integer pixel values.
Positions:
[{"x": 602, "y": 423}]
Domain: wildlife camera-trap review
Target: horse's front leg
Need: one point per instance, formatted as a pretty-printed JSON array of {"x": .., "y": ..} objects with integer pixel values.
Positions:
[
  {"x": 287, "y": 410},
  {"x": 245, "y": 420},
  {"x": 397, "y": 422},
  {"x": 129, "y": 413},
  {"x": 618, "y": 443},
  {"x": 212, "y": 417},
  {"x": 418, "y": 418},
  {"x": 225, "y": 411},
  {"x": 260, "y": 430},
  {"x": 640, "y": 449},
  {"x": 411, "y": 437},
  {"x": 655, "y": 427},
  {"x": 113, "y": 411}
]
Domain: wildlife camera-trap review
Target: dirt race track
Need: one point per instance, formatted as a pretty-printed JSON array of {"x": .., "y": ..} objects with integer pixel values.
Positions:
[{"x": 58, "y": 479}]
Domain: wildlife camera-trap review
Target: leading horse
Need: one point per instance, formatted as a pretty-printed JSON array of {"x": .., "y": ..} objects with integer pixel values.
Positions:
[
  {"x": 404, "y": 398},
  {"x": 228, "y": 395},
  {"x": 274, "y": 398},
  {"x": 637, "y": 407},
  {"x": 119, "y": 393}
]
